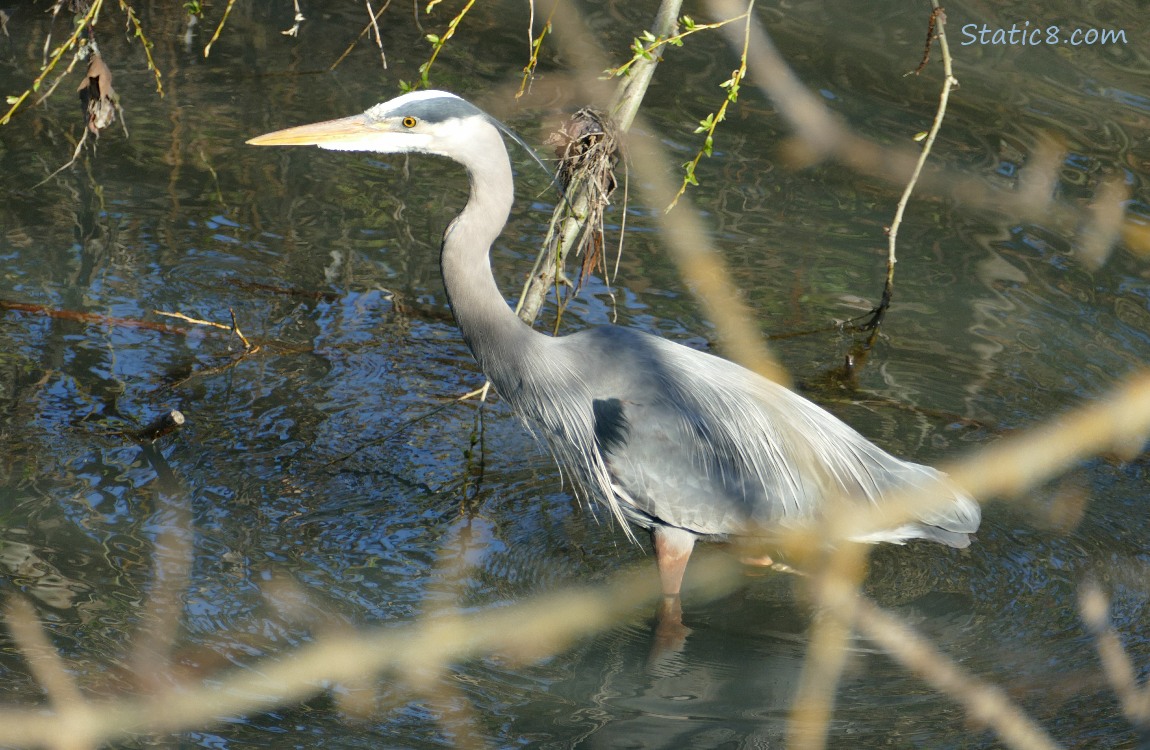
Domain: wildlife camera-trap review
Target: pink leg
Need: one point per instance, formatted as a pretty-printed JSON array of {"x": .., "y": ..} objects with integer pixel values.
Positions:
[{"x": 672, "y": 550}]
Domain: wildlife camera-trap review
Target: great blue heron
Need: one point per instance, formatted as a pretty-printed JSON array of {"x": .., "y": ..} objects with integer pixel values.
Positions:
[{"x": 675, "y": 441}]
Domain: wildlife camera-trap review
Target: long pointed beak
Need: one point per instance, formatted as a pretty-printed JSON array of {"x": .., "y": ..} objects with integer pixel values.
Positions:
[{"x": 347, "y": 133}]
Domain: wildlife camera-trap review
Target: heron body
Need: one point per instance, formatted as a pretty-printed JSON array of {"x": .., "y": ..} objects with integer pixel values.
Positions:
[{"x": 675, "y": 441}]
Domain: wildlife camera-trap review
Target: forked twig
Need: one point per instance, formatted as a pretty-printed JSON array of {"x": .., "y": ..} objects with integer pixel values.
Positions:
[
  {"x": 372, "y": 25},
  {"x": 233, "y": 328}
]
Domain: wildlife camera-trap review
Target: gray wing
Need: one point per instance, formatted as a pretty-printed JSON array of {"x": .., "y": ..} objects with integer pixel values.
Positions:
[{"x": 695, "y": 441}]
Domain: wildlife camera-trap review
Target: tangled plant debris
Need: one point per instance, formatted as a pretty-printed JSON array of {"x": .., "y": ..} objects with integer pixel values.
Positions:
[{"x": 587, "y": 147}]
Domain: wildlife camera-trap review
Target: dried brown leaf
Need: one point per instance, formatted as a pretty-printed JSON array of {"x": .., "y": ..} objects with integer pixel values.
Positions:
[{"x": 98, "y": 99}]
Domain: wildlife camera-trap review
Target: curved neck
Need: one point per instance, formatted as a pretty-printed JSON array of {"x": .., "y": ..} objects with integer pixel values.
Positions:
[{"x": 495, "y": 335}]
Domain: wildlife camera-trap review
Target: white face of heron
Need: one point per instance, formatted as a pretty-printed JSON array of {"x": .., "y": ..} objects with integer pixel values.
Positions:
[{"x": 433, "y": 122}]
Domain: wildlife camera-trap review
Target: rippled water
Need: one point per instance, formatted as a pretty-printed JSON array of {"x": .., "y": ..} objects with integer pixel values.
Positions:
[{"x": 290, "y": 466}]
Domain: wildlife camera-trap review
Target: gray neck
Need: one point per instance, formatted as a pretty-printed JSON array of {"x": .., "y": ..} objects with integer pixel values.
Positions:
[{"x": 497, "y": 338}]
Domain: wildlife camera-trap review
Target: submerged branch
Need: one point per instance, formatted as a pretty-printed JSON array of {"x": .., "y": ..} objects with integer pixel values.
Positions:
[{"x": 90, "y": 318}]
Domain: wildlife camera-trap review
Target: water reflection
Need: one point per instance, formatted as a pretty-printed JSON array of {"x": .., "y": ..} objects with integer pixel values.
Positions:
[
  {"x": 734, "y": 682},
  {"x": 23, "y": 566}
]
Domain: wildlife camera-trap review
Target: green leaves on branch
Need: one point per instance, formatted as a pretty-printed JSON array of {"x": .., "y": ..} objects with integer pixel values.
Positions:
[
  {"x": 138, "y": 32},
  {"x": 647, "y": 46},
  {"x": 437, "y": 44},
  {"x": 709, "y": 123},
  {"x": 536, "y": 45},
  {"x": 72, "y": 42},
  {"x": 688, "y": 177}
]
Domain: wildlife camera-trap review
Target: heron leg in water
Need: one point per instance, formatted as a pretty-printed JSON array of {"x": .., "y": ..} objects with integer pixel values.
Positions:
[{"x": 672, "y": 550}]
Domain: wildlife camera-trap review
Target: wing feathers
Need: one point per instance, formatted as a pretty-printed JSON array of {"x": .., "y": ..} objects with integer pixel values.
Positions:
[{"x": 665, "y": 434}]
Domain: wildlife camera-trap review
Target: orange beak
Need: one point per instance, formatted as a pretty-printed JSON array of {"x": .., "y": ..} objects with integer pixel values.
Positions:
[{"x": 355, "y": 133}]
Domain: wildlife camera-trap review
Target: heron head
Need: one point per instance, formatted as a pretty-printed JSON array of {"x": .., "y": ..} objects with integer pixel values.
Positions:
[{"x": 434, "y": 122}]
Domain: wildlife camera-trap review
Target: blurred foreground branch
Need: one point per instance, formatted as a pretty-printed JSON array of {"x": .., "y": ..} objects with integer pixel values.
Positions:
[
  {"x": 1120, "y": 672},
  {"x": 1118, "y": 423},
  {"x": 985, "y": 704},
  {"x": 521, "y": 632}
]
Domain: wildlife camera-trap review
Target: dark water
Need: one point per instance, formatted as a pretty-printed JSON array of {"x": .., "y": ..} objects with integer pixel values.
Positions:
[{"x": 329, "y": 262}]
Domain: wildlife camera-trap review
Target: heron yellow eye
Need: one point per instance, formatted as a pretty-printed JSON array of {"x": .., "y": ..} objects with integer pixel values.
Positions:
[{"x": 408, "y": 122}]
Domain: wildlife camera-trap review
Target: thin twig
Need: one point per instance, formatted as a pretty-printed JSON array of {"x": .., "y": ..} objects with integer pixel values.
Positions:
[
  {"x": 439, "y": 42},
  {"x": 372, "y": 23},
  {"x": 709, "y": 124},
  {"x": 375, "y": 29},
  {"x": 233, "y": 328},
  {"x": 938, "y": 26},
  {"x": 189, "y": 319},
  {"x": 535, "y": 45},
  {"x": 236, "y": 330},
  {"x": 219, "y": 28},
  {"x": 75, "y": 155},
  {"x": 408, "y": 424},
  {"x": 138, "y": 32}
]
